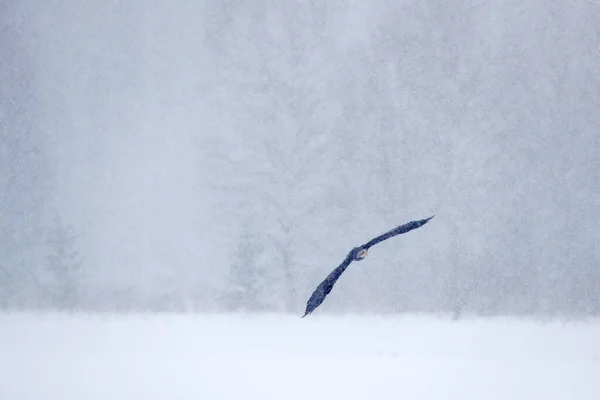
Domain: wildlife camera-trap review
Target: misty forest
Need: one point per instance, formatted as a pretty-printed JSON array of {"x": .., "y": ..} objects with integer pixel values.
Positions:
[{"x": 224, "y": 156}]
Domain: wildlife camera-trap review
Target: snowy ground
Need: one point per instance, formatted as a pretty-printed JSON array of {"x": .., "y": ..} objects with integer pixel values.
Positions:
[{"x": 55, "y": 356}]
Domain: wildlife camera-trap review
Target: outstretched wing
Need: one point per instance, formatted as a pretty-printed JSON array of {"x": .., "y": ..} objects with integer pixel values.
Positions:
[
  {"x": 409, "y": 226},
  {"x": 325, "y": 287}
]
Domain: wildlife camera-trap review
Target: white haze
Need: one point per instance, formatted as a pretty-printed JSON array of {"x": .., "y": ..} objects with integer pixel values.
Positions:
[{"x": 225, "y": 155}]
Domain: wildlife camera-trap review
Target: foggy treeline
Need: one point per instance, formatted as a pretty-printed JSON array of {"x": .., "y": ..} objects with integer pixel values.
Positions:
[{"x": 226, "y": 155}]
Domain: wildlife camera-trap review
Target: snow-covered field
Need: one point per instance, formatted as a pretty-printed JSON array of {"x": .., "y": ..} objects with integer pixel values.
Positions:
[{"x": 204, "y": 357}]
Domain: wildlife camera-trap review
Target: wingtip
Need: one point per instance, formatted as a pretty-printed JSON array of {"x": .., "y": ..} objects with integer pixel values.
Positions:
[{"x": 427, "y": 219}]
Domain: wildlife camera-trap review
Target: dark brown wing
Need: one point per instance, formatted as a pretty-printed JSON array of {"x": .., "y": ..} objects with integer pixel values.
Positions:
[
  {"x": 325, "y": 287},
  {"x": 409, "y": 226}
]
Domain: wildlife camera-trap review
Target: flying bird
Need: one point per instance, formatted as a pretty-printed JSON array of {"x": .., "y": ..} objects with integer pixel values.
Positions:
[{"x": 356, "y": 254}]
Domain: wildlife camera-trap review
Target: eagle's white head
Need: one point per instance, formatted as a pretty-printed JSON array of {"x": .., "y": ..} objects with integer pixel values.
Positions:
[{"x": 361, "y": 254}]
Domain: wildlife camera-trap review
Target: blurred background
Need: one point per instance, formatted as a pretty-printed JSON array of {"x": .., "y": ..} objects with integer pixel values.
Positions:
[{"x": 218, "y": 156}]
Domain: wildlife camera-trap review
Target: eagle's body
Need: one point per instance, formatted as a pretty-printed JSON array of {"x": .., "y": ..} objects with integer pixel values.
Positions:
[{"x": 356, "y": 254}]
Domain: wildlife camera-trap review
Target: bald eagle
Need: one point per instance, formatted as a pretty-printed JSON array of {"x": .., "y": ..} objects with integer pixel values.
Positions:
[{"x": 356, "y": 254}]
